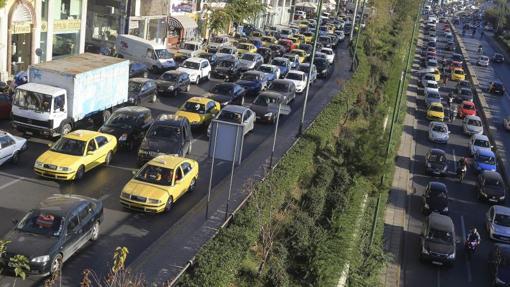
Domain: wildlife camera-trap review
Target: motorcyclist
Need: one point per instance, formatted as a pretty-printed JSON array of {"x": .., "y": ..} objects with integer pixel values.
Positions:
[
  {"x": 480, "y": 49},
  {"x": 461, "y": 168},
  {"x": 473, "y": 236}
]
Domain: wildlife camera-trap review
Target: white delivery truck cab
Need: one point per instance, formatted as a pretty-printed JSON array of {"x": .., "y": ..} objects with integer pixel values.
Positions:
[
  {"x": 190, "y": 49},
  {"x": 63, "y": 93},
  {"x": 153, "y": 55}
]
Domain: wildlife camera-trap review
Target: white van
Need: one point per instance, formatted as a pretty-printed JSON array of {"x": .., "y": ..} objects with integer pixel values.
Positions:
[
  {"x": 190, "y": 49},
  {"x": 153, "y": 55}
]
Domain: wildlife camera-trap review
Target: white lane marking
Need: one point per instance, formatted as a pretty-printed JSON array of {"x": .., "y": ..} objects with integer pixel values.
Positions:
[
  {"x": 468, "y": 264},
  {"x": 11, "y": 182},
  {"x": 438, "y": 277},
  {"x": 38, "y": 140},
  {"x": 454, "y": 161},
  {"x": 122, "y": 168},
  {"x": 104, "y": 197}
]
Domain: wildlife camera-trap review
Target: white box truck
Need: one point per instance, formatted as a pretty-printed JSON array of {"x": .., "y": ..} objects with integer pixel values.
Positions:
[
  {"x": 63, "y": 93},
  {"x": 155, "y": 56}
]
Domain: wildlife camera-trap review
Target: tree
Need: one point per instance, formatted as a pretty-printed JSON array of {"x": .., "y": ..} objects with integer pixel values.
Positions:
[
  {"x": 21, "y": 267},
  {"x": 218, "y": 21},
  {"x": 2, "y": 3}
]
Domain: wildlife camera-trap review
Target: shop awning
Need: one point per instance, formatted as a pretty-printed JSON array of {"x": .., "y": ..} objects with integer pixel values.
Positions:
[
  {"x": 306, "y": 5},
  {"x": 182, "y": 21}
]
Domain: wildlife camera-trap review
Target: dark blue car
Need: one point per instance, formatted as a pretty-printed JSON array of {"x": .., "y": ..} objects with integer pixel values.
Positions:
[
  {"x": 484, "y": 160},
  {"x": 283, "y": 64},
  {"x": 253, "y": 82}
]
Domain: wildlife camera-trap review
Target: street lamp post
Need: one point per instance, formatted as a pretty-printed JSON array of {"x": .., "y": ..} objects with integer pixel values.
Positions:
[
  {"x": 353, "y": 20},
  {"x": 275, "y": 134},
  {"x": 357, "y": 35},
  {"x": 307, "y": 89}
]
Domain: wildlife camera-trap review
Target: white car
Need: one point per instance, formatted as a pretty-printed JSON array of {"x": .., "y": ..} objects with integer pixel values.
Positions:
[
  {"x": 197, "y": 69},
  {"x": 438, "y": 132},
  {"x": 472, "y": 125},
  {"x": 216, "y": 43},
  {"x": 11, "y": 147},
  {"x": 497, "y": 223},
  {"x": 299, "y": 78},
  {"x": 226, "y": 51},
  {"x": 190, "y": 49},
  {"x": 330, "y": 54},
  {"x": 270, "y": 69},
  {"x": 238, "y": 115},
  {"x": 427, "y": 77},
  {"x": 483, "y": 61},
  {"x": 431, "y": 86},
  {"x": 479, "y": 142}
]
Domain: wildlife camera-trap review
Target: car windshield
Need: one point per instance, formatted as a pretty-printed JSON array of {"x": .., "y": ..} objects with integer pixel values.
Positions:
[
  {"x": 459, "y": 72},
  {"x": 244, "y": 46},
  {"x": 191, "y": 65},
  {"x": 69, "y": 146},
  {"x": 436, "y": 109},
  {"x": 134, "y": 87},
  {"x": 226, "y": 50},
  {"x": 482, "y": 143},
  {"x": 489, "y": 181},
  {"x": 249, "y": 77},
  {"x": 264, "y": 101},
  {"x": 468, "y": 107},
  {"x": 279, "y": 87},
  {"x": 188, "y": 46},
  {"x": 432, "y": 85},
  {"x": 434, "y": 95},
  {"x": 465, "y": 92},
  {"x": 248, "y": 57},
  {"x": 440, "y": 236},
  {"x": 295, "y": 76},
  {"x": 487, "y": 159},
  {"x": 437, "y": 157},
  {"x": 194, "y": 107},
  {"x": 163, "y": 54},
  {"x": 475, "y": 123},
  {"x": 230, "y": 116},
  {"x": 299, "y": 53},
  {"x": 171, "y": 77},
  {"x": 219, "y": 40},
  {"x": 267, "y": 39},
  {"x": 155, "y": 175},
  {"x": 304, "y": 68},
  {"x": 170, "y": 133},
  {"x": 439, "y": 128},
  {"x": 32, "y": 101},
  {"x": 266, "y": 69},
  {"x": 120, "y": 119},
  {"x": 222, "y": 89},
  {"x": 226, "y": 64},
  {"x": 42, "y": 223},
  {"x": 279, "y": 63},
  {"x": 502, "y": 219}
]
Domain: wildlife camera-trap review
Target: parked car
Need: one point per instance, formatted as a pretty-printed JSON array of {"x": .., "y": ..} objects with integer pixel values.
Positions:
[
  {"x": 438, "y": 132},
  {"x": 250, "y": 61},
  {"x": 160, "y": 183},
  {"x": 196, "y": 68},
  {"x": 50, "y": 234},
  {"x": 478, "y": 142},
  {"x": 498, "y": 223},
  {"x": 128, "y": 125},
  {"x": 496, "y": 87},
  {"x": 435, "y": 198},
  {"x": 253, "y": 82},
  {"x": 436, "y": 162},
  {"x": 215, "y": 43},
  {"x": 438, "y": 240},
  {"x": 76, "y": 153},
  {"x": 138, "y": 70},
  {"x": 293, "y": 59},
  {"x": 261, "y": 105},
  {"x": 11, "y": 147},
  {"x": 484, "y": 160},
  {"x": 228, "y": 69},
  {"x": 238, "y": 115},
  {"x": 141, "y": 90},
  {"x": 228, "y": 94},
  {"x": 490, "y": 186},
  {"x": 472, "y": 125},
  {"x": 278, "y": 50},
  {"x": 246, "y": 48},
  {"x": 211, "y": 57},
  {"x": 173, "y": 83}
]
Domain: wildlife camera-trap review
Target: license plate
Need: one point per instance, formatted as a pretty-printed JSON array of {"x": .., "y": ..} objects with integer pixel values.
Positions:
[
  {"x": 437, "y": 263},
  {"x": 29, "y": 133},
  {"x": 493, "y": 200}
]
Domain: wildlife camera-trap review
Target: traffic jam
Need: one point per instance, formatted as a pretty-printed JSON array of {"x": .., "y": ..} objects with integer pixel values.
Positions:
[
  {"x": 460, "y": 190},
  {"x": 90, "y": 107}
]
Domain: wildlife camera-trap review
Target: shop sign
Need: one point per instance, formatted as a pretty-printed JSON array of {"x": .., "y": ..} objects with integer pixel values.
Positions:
[
  {"x": 183, "y": 6},
  {"x": 66, "y": 25},
  {"x": 21, "y": 27}
]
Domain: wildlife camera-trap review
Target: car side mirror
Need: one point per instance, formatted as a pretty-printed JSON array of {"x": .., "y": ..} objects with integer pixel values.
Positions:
[
  {"x": 50, "y": 144},
  {"x": 15, "y": 221},
  {"x": 133, "y": 172}
]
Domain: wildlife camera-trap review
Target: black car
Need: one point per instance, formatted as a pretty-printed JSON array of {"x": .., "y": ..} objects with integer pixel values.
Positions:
[
  {"x": 128, "y": 125},
  {"x": 438, "y": 240},
  {"x": 496, "y": 87},
  {"x": 498, "y": 58},
  {"x": 228, "y": 69},
  {"x": 457, "y": 57},
  {"x": 261, "y": 105},
  {"x": 306, "y": 47},
  {"x": 436, "y": 162},
  {"x": 141, "y": 90},
  {"x": 228, "y": 93},
  {"x": 287, "y": 88},
  {"x": 326, "y": 41},
  {"x": 266, "y": 53},
  {"x": 490, "y": 186},
  {"x": 499, "y": 265},
  {"x": 50, "y": 234},
  {"x": 169, "y": 134},
  {"x": 323, "y": 67},
  {"x": 465, "y": 94},
  {"x": 462, "y": 85},
  {"x": 278, "y": 50},
  {"x": 173, "y": 83},
  {"x": 435, "y": 198},
  {"x": 211, "y": 57},
  {"x": 138, "y": 70}
]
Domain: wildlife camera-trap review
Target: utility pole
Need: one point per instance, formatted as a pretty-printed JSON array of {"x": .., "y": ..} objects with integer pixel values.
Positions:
[
  {"x": 128, "y": 15},
  {"x": 353, "y": 20},
  {"x": 357, "y": 35},
  {"x": 307, "y": 89},
  {"x": 283, "y": 12}
]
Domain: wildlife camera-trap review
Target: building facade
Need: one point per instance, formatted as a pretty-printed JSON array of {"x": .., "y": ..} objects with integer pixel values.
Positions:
[{"x": 33, "y": 31}]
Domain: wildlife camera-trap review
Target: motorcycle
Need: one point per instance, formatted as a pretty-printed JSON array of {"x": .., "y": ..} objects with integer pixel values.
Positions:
[
  {"x": 470, "y": 247},
  {"x": 461, "y": 173},
  {"x": 480, "y": 50}
]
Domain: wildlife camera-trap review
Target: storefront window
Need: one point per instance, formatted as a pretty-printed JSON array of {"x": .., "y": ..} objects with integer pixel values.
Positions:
[
  {"x": 137, "y": 28},
  {"x": 66, "y": 27},
  {"x": 157, "y": 30},
  {"x": 105, "y": 19}
]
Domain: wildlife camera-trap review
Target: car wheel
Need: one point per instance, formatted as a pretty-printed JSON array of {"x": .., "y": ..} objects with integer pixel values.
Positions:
[
  {"x": 15, "y": 157},
  {"x": 56, "y": 264},
  {"x": 192, "y": 185},
  {"x": 94, "y": 234},
  {"x": 108, "y": 158},
  {"x": 169, "y": 204},
  {"x": 79, "y": 173}
]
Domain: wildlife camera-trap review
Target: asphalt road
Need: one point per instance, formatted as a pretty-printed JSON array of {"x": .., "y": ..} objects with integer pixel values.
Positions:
[
  {"x": 464, "y": 208},
  {"x": 21, "y": 190}
]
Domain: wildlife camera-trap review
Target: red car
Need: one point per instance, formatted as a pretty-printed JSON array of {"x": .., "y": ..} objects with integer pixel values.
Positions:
[
  {"x": 467, "y": 108},
  {"x": 5, "y": 106},
  {"x": 288, "y": 44}
]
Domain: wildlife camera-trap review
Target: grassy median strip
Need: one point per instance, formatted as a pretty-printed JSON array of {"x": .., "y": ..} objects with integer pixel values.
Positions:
[{"x": 297, "y": 228}]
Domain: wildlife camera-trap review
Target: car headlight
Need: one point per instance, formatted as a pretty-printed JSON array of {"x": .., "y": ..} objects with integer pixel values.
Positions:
[
  {"x": 429, "y": 165},
  {"x": 268, "y": 115},
  {"x": 499, "y": 281},
  {"x": 424, "y": 250},
  {"x": 125, "y": 195},
  {"x": 451, "y": 256},
  {"x": 445, "y": 209},
  {"x": 131, "y": 100},
  {"x": 63, "y": 168},
  {"x": 38, "y": 164},
  {"x": 154, "y": 201},
  {"x": 171, "y": 88},
  {"x": 426, "y": 206},
  {"x": 123, "y": 137},
  {"x": 141, "y": 151},
  {"x": 483, "y": 193},
  {"x": 502, "y": 197},
  {"x": 40, "y": 259}
]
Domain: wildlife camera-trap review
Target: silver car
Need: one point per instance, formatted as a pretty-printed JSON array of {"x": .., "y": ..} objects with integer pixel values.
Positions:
[
  {"x": 479, "y": 142},
  {"x": 498, "y": 223},
  {"x": 438, "y": 132},
  {"x": 238, "y": 115},
  {"x": 472, "y": 125},
  {"x": 11, "y": 147}
]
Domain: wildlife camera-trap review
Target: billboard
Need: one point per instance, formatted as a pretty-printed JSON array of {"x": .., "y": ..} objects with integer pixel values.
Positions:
[{"x": 183, "y": 6}]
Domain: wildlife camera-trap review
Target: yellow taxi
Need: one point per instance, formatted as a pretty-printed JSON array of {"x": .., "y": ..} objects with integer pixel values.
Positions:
[
  {"x": 308, "y": 37},
  {"x": 268, "y": 41},
  {"x": 160, "y": 183},
  {"x": 301, "y": 54},
  {"x": 295, "y": 40},
  {"x": 246, "y": 48},
  {"x": 458, "y": 75},
  {"x": 437, "y": 74},
  {"x": 74, "y": 154},
  {"x": 301, "y": 37},
  {"x": 199, "y": 111},
  {"x": 435, "y": 112}
]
